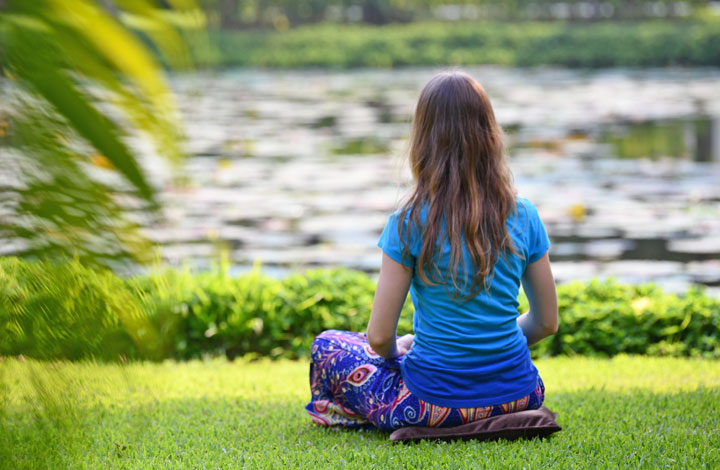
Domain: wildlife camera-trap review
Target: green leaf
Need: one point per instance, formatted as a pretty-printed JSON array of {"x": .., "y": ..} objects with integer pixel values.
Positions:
[{"x": 62, "y": 94}]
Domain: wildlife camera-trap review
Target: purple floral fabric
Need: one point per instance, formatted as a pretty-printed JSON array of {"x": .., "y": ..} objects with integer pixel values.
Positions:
[{"x": 354, "y": 387}]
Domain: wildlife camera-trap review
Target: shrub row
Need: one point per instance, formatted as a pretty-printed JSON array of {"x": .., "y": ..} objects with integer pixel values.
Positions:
[
  {"x": 68, "y": 311},
  {"x": 282, "y": 13},
  {"x": 211, "y": 312},
  {"x": 602, "y": 44}
]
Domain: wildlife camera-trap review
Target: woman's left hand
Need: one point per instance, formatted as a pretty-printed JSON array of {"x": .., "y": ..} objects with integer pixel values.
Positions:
[{"x": 403, "y": 344}]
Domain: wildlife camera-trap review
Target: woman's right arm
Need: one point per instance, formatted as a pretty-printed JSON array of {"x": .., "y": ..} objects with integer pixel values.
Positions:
[{"x": 539, "y": 285}]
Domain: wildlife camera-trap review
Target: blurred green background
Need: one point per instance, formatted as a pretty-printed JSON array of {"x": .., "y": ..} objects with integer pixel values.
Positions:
[{"x": 156, "y": 154}]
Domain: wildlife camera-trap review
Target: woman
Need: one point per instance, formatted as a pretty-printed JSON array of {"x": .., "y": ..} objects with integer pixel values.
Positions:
[{"x": 462, "y": 244}]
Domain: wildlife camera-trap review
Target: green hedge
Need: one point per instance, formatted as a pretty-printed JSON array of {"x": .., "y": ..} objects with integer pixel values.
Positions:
[
  {"x": 604, "y": 318},
  {"x": 254, "y": 13},
  {"x": 68, "y": 311},
  {"x": 601, "y": 44},
  {"x": 211, "y": 312}
]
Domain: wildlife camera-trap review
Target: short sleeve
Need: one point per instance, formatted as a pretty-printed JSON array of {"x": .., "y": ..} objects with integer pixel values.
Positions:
[
  {"x": 538, "y": 240},
  {"x": 392, "y": 245}
]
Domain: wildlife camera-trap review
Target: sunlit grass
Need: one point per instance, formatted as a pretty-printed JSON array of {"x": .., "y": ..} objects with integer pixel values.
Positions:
[{"x": 627, "y": 412}]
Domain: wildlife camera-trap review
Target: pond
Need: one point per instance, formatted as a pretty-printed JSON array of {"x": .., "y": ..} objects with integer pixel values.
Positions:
[{"x": 301, "y": 168}]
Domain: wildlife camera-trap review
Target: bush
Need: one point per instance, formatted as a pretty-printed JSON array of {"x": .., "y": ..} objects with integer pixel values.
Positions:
[
  {"x": 602, "y": 44},
  {"x": 607, "y": 318},
  {"x": 322, "y": 299},
  {"x": 213, "y": 313},
  {"x": 68, "y": 311},
  {"x": 165, "y": 297}
]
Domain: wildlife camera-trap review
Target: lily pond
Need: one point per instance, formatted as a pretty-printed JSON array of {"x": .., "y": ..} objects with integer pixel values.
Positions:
[{"x": 301, "y": 168}]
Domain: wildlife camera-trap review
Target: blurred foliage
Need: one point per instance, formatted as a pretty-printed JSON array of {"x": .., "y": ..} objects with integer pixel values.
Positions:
[
  {"x": 80, "y": 83},
  {"x": 603, "y": 44},
  {"x": 51, "y": 396},
  {"x": 282, "y": 14},
  {"x": 67, "y": 311},
  {"x": 212, "y": 313}
]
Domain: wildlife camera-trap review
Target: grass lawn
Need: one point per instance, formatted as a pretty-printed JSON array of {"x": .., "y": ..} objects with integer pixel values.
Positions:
[{"x": 627, "y": 412}]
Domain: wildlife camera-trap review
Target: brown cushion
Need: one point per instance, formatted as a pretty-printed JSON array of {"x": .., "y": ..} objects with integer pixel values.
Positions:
[{"x": 528, "y": 423}]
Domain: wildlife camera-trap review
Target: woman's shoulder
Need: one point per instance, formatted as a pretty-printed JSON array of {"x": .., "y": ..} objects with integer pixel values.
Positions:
[
  {"x": 398, "y": 214},
  {"x": 525, "y": 207},
  {"x": 406, "y": 213},
  {"x": 402, "y": 216}
]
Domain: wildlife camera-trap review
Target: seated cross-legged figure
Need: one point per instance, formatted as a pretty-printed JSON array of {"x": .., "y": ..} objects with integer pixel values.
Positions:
[{"x": 462, "y": 245}]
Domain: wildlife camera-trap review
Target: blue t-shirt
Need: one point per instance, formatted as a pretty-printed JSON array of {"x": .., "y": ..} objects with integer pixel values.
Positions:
[{"x": 472, "y": 353}]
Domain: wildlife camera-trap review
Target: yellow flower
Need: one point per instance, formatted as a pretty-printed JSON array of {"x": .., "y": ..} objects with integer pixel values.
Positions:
[{"x": 577, "y": 212}]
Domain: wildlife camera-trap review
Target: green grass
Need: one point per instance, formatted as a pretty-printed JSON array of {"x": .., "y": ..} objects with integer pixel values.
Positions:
[{"x": 625, "y": 412}]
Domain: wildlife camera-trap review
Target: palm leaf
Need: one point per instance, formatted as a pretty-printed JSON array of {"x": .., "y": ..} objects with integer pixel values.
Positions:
[
  {"x": 55, "y": 207},
  {"x": 81, "y": 81},
  {"x": 63, "y": 95},
  {"x": 82, "y": 31}
]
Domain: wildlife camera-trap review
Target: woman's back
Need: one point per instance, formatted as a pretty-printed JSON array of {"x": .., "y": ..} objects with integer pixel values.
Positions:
[{"x": 469, "y": 352}]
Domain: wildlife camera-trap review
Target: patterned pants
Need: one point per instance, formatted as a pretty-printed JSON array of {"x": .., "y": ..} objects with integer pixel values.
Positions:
[{"x": 354, "y": 387}]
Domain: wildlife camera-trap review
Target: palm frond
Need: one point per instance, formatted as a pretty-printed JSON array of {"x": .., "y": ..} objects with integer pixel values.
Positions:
[{"x": 82, "y": 77}]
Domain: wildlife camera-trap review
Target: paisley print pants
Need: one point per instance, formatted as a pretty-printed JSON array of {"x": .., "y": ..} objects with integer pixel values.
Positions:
[{"x": 353, "y": 387}]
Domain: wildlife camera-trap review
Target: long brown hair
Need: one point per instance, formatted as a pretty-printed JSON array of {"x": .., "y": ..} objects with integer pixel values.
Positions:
[{"x": 457, "y": 160}]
